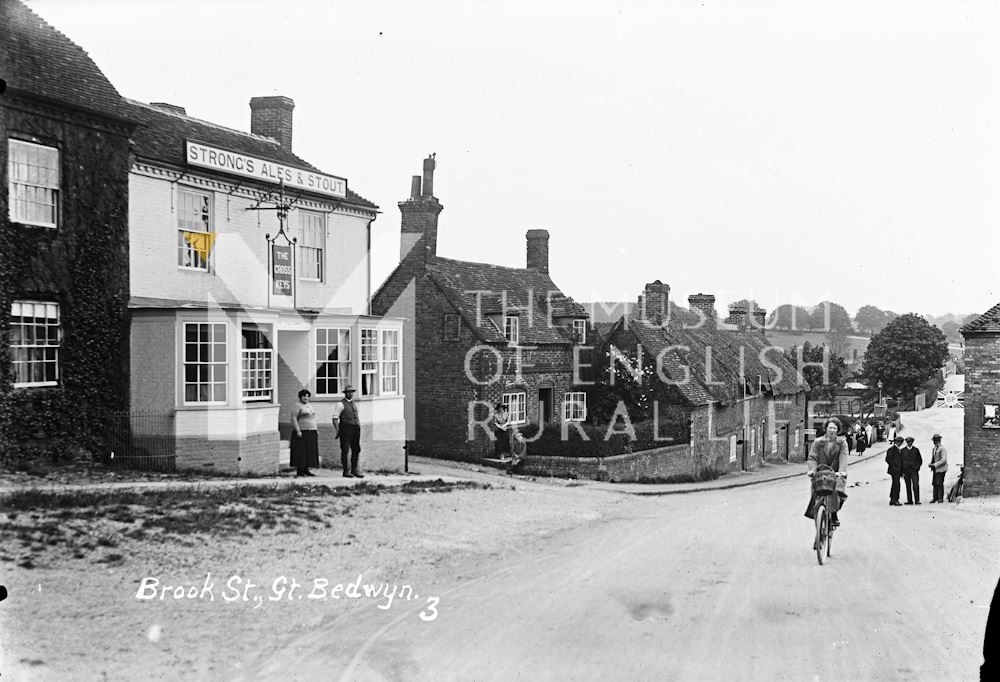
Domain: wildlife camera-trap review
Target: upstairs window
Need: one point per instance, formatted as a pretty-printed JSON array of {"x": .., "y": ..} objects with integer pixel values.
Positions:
[
  {"x": 34, "y": 343},
  {"x": 580, "y": 330},
  {"x": 511, "y": 329},
  {"x": 33, "y": 183},
  {"x": 312, "y": 240},
  {"x": 195, "y": 237}
]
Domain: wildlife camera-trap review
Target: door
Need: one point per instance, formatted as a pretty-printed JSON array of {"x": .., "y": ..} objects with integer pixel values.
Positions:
[{"x": 545, "y": 405}]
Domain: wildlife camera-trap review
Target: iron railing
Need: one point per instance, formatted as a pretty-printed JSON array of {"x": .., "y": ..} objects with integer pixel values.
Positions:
[{"x": 141, "y": 440}]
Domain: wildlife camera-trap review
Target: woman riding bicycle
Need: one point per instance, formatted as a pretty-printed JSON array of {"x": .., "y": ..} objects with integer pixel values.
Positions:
[{"x": 830, "y": 450}]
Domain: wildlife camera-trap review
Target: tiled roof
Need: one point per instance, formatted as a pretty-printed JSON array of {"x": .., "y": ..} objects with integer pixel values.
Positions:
[
  {"x": 526, "y": 293},
  {"x": 162, "y": 134},
  {"x": 36, "y": 59},
  {"x": 722, "y": 382},
  {"x": 987, "y": 323}
]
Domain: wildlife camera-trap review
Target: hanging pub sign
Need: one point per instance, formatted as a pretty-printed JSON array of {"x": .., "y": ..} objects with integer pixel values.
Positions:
[{"x": 281, "y": 270}]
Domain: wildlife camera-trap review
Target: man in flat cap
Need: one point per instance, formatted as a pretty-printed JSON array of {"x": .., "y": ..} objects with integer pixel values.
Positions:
[
  {"x": 939, "y": 465},
  {"x": 894, "y": 461},
  {"x": 911, "y": 471},
  {"x": 347, "y": 428}
]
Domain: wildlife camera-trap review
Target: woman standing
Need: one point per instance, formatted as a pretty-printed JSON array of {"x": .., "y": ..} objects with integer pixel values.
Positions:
[
  {"x": 501, "y": 431},
  {"x": 305, "y": 437},
  {"x": 862, "y": 443}
]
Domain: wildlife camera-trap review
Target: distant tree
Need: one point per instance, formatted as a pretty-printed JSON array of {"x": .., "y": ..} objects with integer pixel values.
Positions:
[
  {"x": 969, "y": 318},
  {"x": 812, "y": 363},
  {"x": 839, "y": 344},
  {"x": 788, "y": 316},
  {"x": 904, "y": 355},
  {"x": 889, "y": 317},
  {"x": 950, "y": 331},
  {"x": 870, "y": 320},
  {"x": 828, "y": 316}
]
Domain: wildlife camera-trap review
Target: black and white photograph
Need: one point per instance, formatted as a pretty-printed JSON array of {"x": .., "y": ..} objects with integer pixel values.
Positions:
[{"x": 499, "y": 340}]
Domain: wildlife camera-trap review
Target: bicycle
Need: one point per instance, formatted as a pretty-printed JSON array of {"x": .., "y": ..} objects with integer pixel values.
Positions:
[
  {"x": 957, "y": 490},
  {"x": 824, "y": 484}
]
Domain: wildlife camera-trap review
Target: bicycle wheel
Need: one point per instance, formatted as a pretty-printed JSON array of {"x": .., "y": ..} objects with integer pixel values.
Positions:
[{"x": 821, "y": 532}]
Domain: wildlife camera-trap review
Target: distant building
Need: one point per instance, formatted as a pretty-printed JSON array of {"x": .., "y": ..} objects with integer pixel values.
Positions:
[
  {"x": 63, "y": 238},
  {"x": 476, "y": 335},
  {"x": 740, "y": 396},
  {"x": 250, "y": 280},
  {"x": 982, "y": 403}
]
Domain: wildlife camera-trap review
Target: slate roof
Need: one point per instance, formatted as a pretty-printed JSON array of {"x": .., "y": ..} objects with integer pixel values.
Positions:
[
  {"x": 38, "y": 60},
  {"x": 455, "y": 278},
  {"x": 725, "y": 386},
  {"x": 162, "y": 134},
  {"x": 987, "y": 323}
]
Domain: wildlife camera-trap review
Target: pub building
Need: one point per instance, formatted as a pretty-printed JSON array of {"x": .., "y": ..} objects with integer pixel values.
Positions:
[{"x": 250, "y": 280}]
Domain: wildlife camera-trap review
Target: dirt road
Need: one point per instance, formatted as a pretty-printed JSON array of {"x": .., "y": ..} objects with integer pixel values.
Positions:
[{"x": 718, "y": 585}]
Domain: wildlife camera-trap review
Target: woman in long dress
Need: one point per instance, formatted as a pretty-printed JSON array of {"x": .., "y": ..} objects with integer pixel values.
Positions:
[
  {"x": 501, "y": 431},
  {"x": 305, "y": 436}
]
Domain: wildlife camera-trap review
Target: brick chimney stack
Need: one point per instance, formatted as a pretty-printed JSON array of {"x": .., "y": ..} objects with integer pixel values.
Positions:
[
  {"x": 706, "y": 304},
  {"x": 760, "y": 318},
  {"x": 272, "y": 117},
  {"x": 418, "y": 230},
  {"x": 738, "y": 316},
  {"x": 654, "y": 301},
  {"x": 538, "y": 250}
]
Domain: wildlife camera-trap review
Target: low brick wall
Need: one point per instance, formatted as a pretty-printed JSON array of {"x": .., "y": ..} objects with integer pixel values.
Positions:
[
  {"x": 257, "y": 453},
  {"x": 673, "y": 462}
]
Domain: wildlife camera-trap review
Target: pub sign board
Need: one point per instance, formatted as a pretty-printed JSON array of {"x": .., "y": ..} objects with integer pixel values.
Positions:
[{"x": 281, "y": 270}]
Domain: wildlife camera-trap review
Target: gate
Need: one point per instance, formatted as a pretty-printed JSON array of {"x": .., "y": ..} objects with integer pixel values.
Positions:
[{"x": 142, "y": 440}]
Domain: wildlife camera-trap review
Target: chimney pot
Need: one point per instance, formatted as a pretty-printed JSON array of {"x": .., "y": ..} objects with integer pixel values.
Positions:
[
  {"x": 415, "y": 187},
  {"x": 429, "y": 165},
  {"x": 538, "y": 250},
  {"x": 272, "y": 117}
]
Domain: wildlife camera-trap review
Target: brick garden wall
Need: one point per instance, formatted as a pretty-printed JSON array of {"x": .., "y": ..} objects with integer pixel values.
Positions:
[
  {"x": 673, "y": 462},
  {"x": 982, "y": 385}
]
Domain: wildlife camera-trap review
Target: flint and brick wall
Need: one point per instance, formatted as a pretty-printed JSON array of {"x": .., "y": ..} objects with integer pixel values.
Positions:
[{"x": 982, "y": 385}]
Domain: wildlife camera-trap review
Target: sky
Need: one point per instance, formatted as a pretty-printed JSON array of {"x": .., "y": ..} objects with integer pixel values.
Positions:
[{"x": 788, "y": 152}]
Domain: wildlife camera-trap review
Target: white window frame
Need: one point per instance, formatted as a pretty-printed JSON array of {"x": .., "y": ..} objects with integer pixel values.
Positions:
[
  {"x": 575, "y": 406},
  {"x": 257, "y": 365},
  {"x": 511, "y": 329},
  {"x": 207, "y": 355},
  {"x": 312, "y": 246},
  {"x": 368, "y": 339},
  {"x": 516, "y": 403},
  {"x": 186, "y": 253},
  {"x": 33, "y": 180},
  {"x": 580, "y": 330},
  {"x": 34, "y": 354},
  {"x": 391, "y": 365},
  {"x": 342, "y": 363}
]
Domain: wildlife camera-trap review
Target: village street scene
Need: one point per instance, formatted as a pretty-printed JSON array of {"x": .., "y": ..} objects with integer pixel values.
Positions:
[{"x": 492, "y": 348}]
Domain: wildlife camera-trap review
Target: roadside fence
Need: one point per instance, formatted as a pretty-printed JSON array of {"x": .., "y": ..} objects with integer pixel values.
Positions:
[{"x": 141, "y": 440}]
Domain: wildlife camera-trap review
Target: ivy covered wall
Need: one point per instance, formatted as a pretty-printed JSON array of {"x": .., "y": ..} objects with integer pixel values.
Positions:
[{"x": 83, "y": 266}]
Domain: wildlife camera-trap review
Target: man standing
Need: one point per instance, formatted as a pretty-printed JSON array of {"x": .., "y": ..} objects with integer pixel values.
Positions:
[
  {"x": 911, "y": 471},
  {"x": 894, "y": 460},
  {"x": 347, "y": 427},
  {"x": 939, "y": 465}
]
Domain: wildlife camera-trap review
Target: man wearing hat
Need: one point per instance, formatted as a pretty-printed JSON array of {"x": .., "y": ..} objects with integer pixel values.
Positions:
[
  {"x": 911, "y": 471},
  {"x": 894, "y": 460},
  {"x": 347, "y": 427},
  {"x": 939, "y": 465}
]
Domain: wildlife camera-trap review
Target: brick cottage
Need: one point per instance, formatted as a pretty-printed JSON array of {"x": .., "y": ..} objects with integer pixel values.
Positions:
[
  {"x": 982, "y": 403},
  {"x": 476, "y": 335},
  {"x": 741, "y": 398}
]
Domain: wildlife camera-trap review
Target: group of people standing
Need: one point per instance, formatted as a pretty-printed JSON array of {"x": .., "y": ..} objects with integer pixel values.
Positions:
[
  {"x": 905, "y": 462},
  {"x": 305, "y": 434}
]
